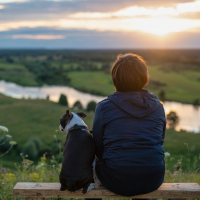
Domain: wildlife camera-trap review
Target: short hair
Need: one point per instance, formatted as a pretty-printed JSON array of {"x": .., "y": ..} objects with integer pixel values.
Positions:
[{"x": 129, "y": 73}]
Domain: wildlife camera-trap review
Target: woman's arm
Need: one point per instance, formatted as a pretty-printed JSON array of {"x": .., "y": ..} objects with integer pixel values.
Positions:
[{"x": 98, "y": 131}]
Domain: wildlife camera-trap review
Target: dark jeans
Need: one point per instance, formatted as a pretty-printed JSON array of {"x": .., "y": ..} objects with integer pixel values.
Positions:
[{"x": 130, "y": 180}]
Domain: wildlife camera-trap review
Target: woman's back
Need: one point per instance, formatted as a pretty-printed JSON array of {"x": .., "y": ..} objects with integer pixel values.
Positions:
[{"x": 134, "y": 126}]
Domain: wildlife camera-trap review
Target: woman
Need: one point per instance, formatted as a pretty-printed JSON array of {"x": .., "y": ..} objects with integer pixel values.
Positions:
[{"x": 128, "y": 130}]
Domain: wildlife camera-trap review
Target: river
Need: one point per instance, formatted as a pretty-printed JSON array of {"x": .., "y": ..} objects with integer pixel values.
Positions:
[{"x": 188, "y": 114}]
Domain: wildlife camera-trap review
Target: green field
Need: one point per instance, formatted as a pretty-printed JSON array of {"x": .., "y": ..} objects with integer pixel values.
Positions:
[
  {"x": 178, "y": 86},
  {"x": 92, "y": 82},
  {"x": 174, "y": 72},
  {"x": 17, "y": 73},
  {"x": 27, "y": 119}
]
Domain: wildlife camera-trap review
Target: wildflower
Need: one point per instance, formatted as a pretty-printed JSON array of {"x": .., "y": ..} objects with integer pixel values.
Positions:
[
  {"x": 176, "y": 173},
  {"x": 3, "y": 170},
  {"x": 167, "y": 154},
  {"x": 8, "y": 136},
  {"x": 3, "y": 183},
  {"x": 3, "y": 128},
  {"x": 180, "y": 161},
  {"x": 21, "y": 154},
  {"x": 13, "y": 143},
  {"x": 26, "y": 156},
  {"x": 171, "y": 159}
]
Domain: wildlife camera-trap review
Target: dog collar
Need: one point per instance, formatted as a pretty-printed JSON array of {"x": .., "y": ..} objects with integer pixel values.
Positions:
[{"x": 76, "y": 127}]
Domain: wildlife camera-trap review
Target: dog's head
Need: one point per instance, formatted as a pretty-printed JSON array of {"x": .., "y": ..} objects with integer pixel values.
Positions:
[{"x": 67, "y": 117}]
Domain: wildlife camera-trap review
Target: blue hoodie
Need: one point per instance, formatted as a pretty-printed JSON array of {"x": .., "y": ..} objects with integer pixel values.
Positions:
[{"x": 129, "y": 129}]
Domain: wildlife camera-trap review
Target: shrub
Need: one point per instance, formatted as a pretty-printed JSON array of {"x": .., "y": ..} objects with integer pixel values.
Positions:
[
  {"x": 91, "y": 106},
  {"x": 6, "y": 143},
  {"x": 32, "y": 148},
  {"x": 63, "y": 100},
  {"x": 172, "y": 119},
  {"x": 162, "y": 95},
  {"x": 196, "y": 102},
  {"x": 78, "y": 105}
]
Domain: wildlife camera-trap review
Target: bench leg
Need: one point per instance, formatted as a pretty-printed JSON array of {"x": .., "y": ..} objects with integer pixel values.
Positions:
[{"x": 35, "y": 198}]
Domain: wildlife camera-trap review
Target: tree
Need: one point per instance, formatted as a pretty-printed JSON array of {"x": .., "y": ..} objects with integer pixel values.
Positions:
[
  {"x": 196, "y": 102},
  {"x": 91, "y": 106},
  {"x": 162, "y": 95},
  {"x": 78, "y": 105},
  {"x": 63, "y": 100},
  {"x": 172, "y": 119}
]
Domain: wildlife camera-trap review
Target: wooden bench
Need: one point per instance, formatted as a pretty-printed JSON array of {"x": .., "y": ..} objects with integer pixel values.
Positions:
[{"x": 41, "y": 191}]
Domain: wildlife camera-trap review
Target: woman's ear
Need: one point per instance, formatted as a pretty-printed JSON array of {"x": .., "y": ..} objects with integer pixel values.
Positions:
[{"x": 81, "y": 114}]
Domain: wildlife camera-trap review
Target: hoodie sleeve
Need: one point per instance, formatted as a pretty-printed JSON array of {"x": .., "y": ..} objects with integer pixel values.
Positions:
[{"x": 98, "y": 131}]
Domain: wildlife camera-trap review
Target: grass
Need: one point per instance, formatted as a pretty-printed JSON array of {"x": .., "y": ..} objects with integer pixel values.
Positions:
[
  {"x": 40, "y": 118},
  {"x": 16, "y": 73},
  {"x": 90, "y": 81},
  {"x": 28, "y": 119},
  {"x": 179, "y": 86}
]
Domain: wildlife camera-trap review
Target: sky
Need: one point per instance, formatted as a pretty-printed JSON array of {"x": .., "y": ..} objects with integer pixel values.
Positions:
[{"x": 99, "y": 24}]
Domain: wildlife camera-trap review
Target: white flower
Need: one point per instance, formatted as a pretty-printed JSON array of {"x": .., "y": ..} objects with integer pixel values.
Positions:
[
  {"x": 3, "y": 128},
  {"x": 8, "y": 136},
  {"x": 40, "y": 165},
  {"x": 13, "y": 143},
  {"x": 167, "y": 154}
]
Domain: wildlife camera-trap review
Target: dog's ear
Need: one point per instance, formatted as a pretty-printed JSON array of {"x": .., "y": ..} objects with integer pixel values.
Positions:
[
  {"x": 67, "y": 112},
  {"x": 81, "y": 114}
]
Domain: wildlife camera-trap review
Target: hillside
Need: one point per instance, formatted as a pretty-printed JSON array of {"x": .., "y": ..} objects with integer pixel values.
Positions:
[{"x": 28, "y": 119}]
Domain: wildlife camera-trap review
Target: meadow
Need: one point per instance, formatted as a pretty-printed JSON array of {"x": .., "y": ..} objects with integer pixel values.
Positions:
[{"x": 33, "y": 124}]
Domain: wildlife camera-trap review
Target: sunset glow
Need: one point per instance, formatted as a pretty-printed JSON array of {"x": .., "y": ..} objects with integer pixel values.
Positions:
[
  {"x": 39, "y": 37},
  {"x": 158, "y": 18}
]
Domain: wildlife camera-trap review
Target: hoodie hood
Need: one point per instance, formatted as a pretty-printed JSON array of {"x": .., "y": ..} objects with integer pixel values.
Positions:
[{"x": 136, "y": 103}]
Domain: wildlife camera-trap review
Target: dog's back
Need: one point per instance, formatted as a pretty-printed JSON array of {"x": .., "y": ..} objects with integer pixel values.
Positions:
[{"x": 78, "y": 156}]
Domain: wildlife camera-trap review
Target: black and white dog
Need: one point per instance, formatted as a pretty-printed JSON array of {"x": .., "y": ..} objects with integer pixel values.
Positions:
[{"x": 78, "y": 154}]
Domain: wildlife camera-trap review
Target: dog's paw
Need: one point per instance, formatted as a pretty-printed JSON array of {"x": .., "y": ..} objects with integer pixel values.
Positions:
[{"x": 62, "y": 188}]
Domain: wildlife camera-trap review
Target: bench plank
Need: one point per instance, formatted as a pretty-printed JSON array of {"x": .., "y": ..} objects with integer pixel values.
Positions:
[{"x": 50, "y": 190}]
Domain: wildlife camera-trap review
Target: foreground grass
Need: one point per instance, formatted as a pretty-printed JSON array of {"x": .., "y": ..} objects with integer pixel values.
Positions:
[
  {"x": 49, "y": 172},
  {"x": 40, "y": 118}
]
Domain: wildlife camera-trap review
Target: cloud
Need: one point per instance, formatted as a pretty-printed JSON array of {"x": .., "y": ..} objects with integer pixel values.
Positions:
[
  {"x": 1, "y": 7},
  {"x": 89, "y": 39},
  {"x": 158, "y": 26},
  {"x": 127, "y": 17},
  {"x": 39, "y": 37},
  {"x": 12, "y": 1}
]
